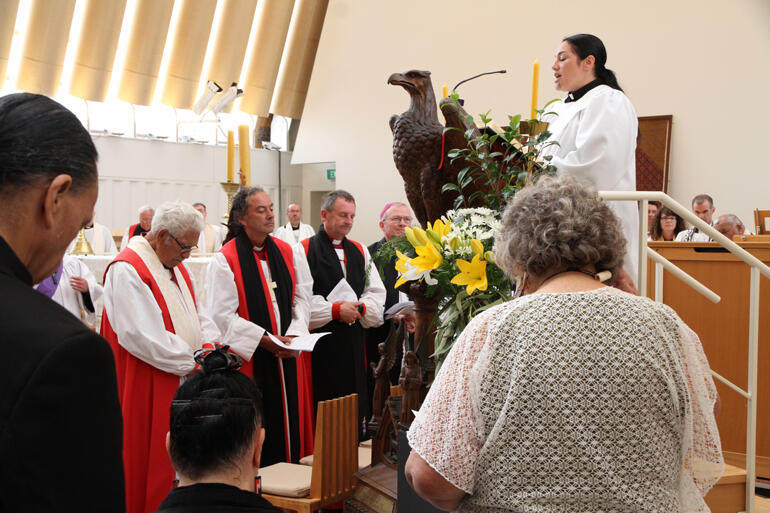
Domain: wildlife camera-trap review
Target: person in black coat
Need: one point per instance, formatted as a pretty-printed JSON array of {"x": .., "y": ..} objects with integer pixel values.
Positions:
[
  {"x": 60, "y": 420},
  {"x": 394, "y": 218},
  {"x": 215, "y": 439}
]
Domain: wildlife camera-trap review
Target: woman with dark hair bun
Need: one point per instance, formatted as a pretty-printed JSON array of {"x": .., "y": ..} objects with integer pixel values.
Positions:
[
  {"x": 595, "y": 128},
  {"x": 215, "y": 439}
]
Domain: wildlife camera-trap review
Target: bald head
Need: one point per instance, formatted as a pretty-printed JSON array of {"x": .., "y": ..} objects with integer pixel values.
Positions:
[{"x": 294, "y": 213}]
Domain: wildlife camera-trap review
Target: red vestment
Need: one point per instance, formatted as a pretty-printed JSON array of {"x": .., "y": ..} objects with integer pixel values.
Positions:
[
  {"x": 145, "y": 398},
  {"x": 303, "y": 365}
]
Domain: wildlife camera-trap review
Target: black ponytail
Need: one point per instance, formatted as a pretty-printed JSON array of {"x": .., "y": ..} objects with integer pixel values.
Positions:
[{"x": 588, "y": 44}]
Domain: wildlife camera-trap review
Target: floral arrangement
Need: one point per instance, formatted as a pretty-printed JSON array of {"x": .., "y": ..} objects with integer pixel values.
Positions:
[{"x": 454, "y": 258}]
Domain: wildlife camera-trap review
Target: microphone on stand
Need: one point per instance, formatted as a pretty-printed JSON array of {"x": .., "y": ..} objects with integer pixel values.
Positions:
[{"x": 460, "y": 100}]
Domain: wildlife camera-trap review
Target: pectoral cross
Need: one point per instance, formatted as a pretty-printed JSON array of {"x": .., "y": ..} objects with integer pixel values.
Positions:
[{"x": 273, "y": 285}]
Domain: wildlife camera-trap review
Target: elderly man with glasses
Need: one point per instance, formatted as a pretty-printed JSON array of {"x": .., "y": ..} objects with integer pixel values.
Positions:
[{"x": 152, "y": 322}]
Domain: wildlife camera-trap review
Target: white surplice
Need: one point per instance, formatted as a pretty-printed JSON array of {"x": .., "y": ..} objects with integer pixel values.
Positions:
[
  {"x": 373, "y": 295},
  {"x": 72, "y": 299},
  {"x": 222, "y": 304},
  {"x": 597, "y": 141},
  {"x": 287, "y": 234},
  {"x": 209, "y": 241},
  {"x": 137, "y": 319}
]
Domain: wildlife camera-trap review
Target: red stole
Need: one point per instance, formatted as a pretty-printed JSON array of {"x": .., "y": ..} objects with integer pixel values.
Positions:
[
  {"x": 145, "y": 397},
  {"x": 304, "y": 372}
]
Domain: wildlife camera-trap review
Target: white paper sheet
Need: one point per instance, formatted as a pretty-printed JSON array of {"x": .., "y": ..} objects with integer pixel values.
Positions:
[{"x": 301, "y": 343}]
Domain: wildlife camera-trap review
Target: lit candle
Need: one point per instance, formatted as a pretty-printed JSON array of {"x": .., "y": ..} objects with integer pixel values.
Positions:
[
  {"x": 535, "y": 75},
  {"x": 445, "y": 91},
  {"x": 230, "y": 156},
  {"x": 244, "y": 154}
]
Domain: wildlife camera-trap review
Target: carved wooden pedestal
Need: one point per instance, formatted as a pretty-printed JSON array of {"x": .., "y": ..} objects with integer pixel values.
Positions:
[{"x": 376, "y": 491}]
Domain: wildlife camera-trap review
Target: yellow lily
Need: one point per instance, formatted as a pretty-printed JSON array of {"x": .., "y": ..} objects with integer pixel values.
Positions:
[
  {"x": 402, "y": 267},
  {"x": 427, "y": 259},
  {"x": 472, "y": 274},
  {"x": 477, "y": 247},
  {"x": 420, "y": 235},
  {"x": 411, "y": 237},
  {"x": 440, "y": 227},
  {"x": 489, "y": 257}
]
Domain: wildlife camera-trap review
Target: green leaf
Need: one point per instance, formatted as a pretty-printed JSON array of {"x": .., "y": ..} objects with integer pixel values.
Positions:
[
  {"x": 450, "y": 187},
  {"x": 461, "y": 174}
]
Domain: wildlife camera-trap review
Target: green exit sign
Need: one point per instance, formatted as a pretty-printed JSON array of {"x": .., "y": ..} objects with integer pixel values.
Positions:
[{"x": 331, "y": 174}]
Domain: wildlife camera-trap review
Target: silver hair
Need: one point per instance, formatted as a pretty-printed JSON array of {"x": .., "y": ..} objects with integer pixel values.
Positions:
[
  {"x": 384, "y": 215},
  {"x": 331, "y": 198},
  {"x": 732, "y": 219},
  {"x": 145, "y": 208},
  {"x": 177, "y": 217},
  {"x": 557, "y": 223}
]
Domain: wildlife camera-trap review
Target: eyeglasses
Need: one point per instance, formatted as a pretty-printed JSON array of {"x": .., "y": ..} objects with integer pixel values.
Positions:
[
  {"x": 183, "y": 249},
  {"x": 401, "y": 219},
  {"x": 668, "y": 218}
]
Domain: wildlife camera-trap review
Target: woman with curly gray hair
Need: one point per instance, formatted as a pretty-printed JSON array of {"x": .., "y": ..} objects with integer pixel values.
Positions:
[{"x": 576, "y": 396}]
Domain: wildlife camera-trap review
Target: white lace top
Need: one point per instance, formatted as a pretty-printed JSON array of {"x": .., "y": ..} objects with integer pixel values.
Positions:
[{"x": 596, "y": 401}]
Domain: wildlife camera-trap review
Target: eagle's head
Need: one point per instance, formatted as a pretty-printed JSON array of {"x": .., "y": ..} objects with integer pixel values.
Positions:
[
  {"x": 414, "y": 81},
  {"x": 423, "y": 102}
]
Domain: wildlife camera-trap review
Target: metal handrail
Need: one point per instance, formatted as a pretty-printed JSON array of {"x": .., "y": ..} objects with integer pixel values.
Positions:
[{"x": 757, "y": 267}]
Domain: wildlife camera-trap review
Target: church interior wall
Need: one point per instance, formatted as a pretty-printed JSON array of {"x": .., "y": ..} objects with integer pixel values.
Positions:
[
  {"x": 136, "y": 172},
  {"x": 704, "y": 63}
]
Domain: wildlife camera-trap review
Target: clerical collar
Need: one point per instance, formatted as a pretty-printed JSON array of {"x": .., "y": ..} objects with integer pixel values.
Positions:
[
  {"x": 574, "y": 96},
  {"x": 337, "y": 244},
  {"x": 295, "y": 227}
]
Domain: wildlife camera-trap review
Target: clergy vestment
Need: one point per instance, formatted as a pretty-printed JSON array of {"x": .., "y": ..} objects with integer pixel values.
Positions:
[
  {"x": 100, "y": 239},
  {"x": 339, "y": 360},
  {"x": 131, "y": 231},
  {"x": 250, "y": 293},
  {"x": 597, "y": 141},
  {"x": 287, "y": 233},
  {"x": 209, "y": 241},
  {"x": 60, "y": 426},
  {"x": 151, "y": 320},
  {"x": 80, "y": 304}
]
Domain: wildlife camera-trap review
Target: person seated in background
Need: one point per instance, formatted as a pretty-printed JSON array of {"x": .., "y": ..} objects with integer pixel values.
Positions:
[
  {"x": 142, "y": 227},
  {"x": 729, "y": 225},
  {"x": 652, "y": 211},
  {"x": 559, "y": 399},
  {"x": 74, "y": 287},
  {"x": 703, "y": 207},
  {"x": 215, "y": 438},
  {"x": 666, "y": 225}
]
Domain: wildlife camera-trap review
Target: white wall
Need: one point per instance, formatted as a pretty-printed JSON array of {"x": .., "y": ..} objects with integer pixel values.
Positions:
[
  {"x": 135, "y": 172},
  {"x": 704, "y": 62}
]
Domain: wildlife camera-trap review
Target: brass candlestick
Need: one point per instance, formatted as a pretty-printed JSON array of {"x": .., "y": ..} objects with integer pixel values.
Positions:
[
  {"x": 81, "y": 246},
  {"x": 230, "y": 188}
]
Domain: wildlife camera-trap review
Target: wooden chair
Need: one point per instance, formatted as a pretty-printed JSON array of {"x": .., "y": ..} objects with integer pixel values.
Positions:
[
  {"x": 335, "y": 461},
  {"x": 761, "y": 221}
]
